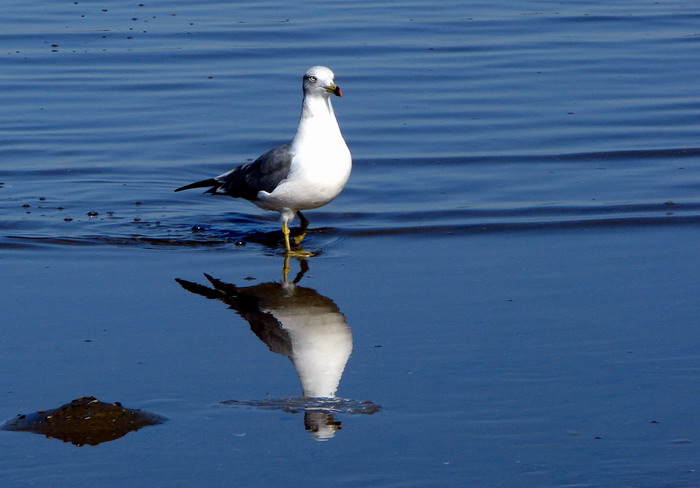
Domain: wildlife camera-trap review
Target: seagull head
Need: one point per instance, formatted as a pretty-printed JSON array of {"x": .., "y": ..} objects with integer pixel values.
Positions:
[{"x": 319, "y": 81}]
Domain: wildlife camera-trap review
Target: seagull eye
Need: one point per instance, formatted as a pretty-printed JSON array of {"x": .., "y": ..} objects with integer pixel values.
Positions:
[{"x": 312, "y": 79}]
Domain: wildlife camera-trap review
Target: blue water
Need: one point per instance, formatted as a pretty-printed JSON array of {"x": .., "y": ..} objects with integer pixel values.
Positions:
[{"x": 514, "y": 254}]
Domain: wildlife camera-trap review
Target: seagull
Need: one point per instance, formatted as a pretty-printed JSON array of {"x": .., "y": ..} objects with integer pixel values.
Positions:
[{"x": 308, "y": 172}]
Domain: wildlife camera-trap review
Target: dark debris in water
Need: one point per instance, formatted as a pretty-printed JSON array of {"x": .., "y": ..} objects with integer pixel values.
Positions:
[{"x": 84, "y": 421}]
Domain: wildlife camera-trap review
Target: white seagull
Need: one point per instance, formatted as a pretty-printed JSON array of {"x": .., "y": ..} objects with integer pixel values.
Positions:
[{"x": 306, "y": 173}]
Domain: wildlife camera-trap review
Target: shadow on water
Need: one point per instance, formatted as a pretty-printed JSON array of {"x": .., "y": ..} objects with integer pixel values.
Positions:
[{"x": 309, "y": 329}]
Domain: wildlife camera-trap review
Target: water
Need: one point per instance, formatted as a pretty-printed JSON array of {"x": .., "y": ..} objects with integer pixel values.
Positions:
[{"x": 514, "y": 254}]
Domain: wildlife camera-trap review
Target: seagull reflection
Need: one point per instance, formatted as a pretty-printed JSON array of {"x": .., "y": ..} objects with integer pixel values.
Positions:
[{"x": 309, "y": 329}]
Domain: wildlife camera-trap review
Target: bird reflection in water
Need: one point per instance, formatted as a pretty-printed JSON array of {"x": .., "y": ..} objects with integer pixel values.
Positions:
[{"x": 309, "y": 329}]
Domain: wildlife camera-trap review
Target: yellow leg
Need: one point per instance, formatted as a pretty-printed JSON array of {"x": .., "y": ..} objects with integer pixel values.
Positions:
[
  {"x": 302, "y": 229},
  {"x": 297, "y": 253},
  {"x": 285, "y": 231},
  {"x": 299, "y": 238}
]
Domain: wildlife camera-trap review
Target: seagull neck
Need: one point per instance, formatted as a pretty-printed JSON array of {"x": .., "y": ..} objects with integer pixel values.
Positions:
[
  {"x": 317, "y": 106},
  {"x": 317, "y": 117}
]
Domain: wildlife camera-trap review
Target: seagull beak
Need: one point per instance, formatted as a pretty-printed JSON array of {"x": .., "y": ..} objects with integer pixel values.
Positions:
[{"x": 334, "y": 89}]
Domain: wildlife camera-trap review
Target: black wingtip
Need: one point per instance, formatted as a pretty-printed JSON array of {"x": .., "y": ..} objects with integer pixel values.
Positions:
[{"x": 199, "y": 184}]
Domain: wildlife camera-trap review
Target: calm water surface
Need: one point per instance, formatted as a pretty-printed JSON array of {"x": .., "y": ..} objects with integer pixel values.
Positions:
[{"x": 513, "y": 264}]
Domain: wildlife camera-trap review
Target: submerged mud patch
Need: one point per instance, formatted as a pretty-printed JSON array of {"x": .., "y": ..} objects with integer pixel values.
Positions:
[{"x": 84, "y": 421}]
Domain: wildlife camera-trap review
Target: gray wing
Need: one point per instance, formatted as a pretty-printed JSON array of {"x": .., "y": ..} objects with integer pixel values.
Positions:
[{"x": 263, "y": 174}]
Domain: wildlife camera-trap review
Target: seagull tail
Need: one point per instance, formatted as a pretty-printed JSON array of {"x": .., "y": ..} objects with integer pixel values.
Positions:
[{"x": 210, "y": 182}]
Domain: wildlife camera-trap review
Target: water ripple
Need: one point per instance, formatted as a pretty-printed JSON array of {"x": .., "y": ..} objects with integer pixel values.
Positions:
[{"x": 237, "y": 232}]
